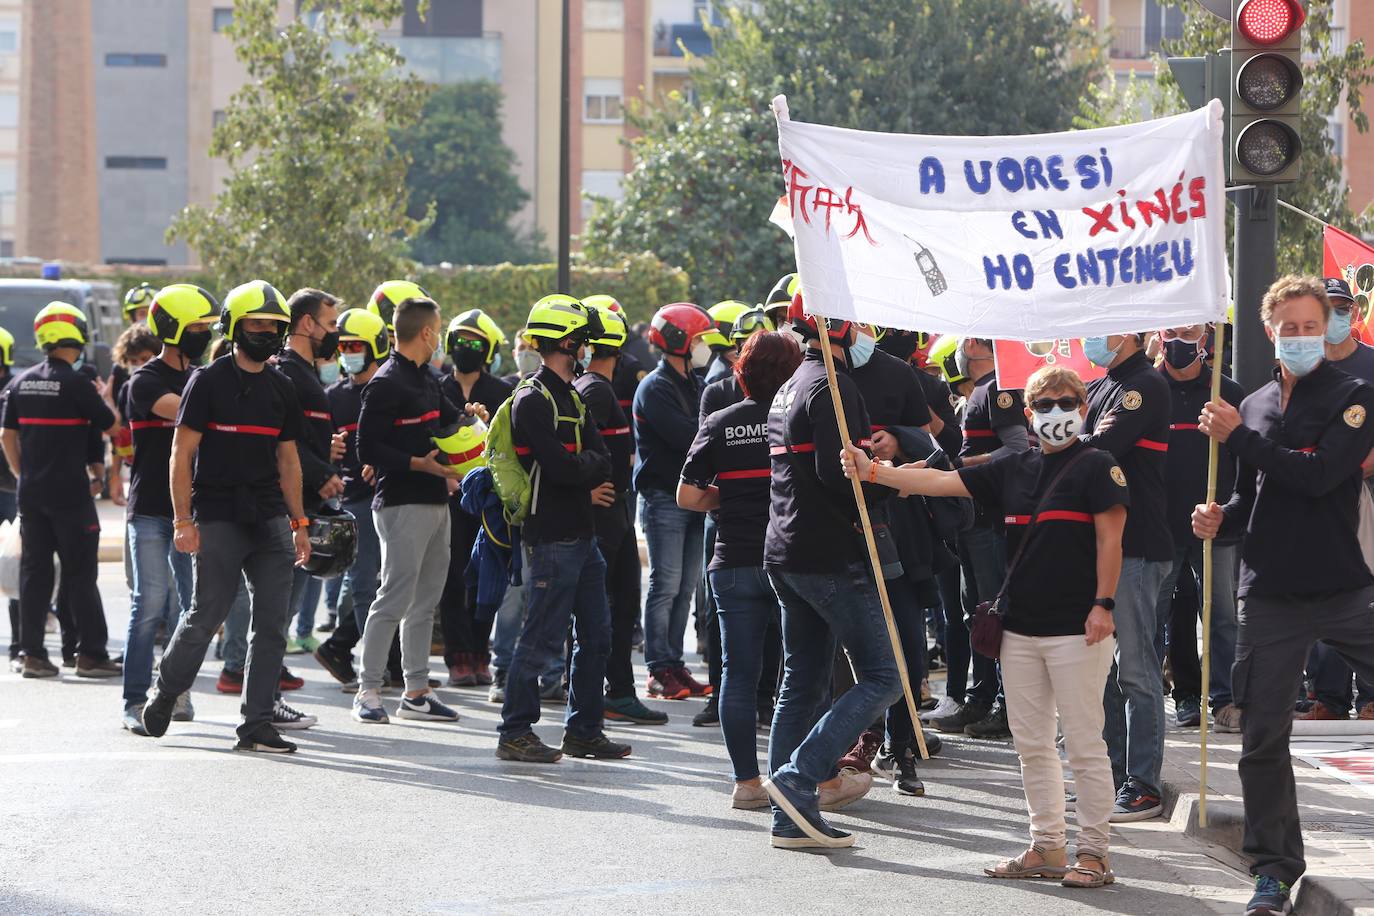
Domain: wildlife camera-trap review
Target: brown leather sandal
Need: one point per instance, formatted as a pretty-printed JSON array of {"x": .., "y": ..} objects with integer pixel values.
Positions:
[
  {"x": 1020, "y": 868},
  {"x": 1093, "y": 867}
]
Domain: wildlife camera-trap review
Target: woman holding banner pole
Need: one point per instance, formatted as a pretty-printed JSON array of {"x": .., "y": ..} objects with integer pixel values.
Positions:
[{"x": 1065, "y": 509}]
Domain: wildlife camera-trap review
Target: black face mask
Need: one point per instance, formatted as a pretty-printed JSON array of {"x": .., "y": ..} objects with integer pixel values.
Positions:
[
  {"x": 327, "y": 346},
  {"x": 900, "y": 345},
  {"x": 1180, "y": 353},
  {"x": 258, "y": 345},
  {"x": 193, "y": 344},
  {"x": 466, "y": 359}
]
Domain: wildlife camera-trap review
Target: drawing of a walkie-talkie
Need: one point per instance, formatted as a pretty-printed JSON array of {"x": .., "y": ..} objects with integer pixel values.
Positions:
[{"x": 935, "y": 278}]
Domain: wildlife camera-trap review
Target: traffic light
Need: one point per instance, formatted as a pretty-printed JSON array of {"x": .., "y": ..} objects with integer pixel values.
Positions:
[{"x": 1266, "y": 86}]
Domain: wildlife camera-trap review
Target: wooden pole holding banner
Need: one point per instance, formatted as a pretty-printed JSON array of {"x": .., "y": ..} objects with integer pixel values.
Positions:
[
  {"x": 911, "y": 705},
  {"x": 1212, "y": 450}
]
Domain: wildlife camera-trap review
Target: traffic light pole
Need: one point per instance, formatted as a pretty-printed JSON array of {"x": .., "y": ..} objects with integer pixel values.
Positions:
[{"x": 1255, "y": 265}]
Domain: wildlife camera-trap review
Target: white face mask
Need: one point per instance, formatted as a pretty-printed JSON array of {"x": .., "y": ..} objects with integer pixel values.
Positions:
[
  {"x": 1058, "y": 427},
  {"x": 527, "y": 361},
  {"x": 701, "y": 354}
]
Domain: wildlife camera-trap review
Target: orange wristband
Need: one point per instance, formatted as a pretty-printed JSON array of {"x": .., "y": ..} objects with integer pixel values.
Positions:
[
  {"x": 873, "y": 471},
  {"x": 299, "y": 523}
]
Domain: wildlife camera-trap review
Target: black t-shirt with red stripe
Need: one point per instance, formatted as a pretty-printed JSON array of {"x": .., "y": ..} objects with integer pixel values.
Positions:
[
  {"x": 986, "y": 410},
  {"x": 731, "y": 451},
  {"x": 613, "y": 423},
  {"x": 345, "y": 403},
  {"x": 149, "y": 489},
  {"x": 242, "y": 417},
  {"x": 402, "y": 411},
  {"x": 1128, "y": 415},
  {"x": 1054, "y": 585},
  {"x": 56, "y": 410},
  {"x": 316, "y": 429},
  {"x": 1185, "y": 464},
  {"x": 891, "y": 392}
]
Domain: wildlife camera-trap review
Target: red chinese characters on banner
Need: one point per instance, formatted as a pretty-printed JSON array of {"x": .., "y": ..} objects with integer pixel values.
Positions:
[
  {"x": 809, "y": 199},
  {"x": 1353, "y": 261},
  {"x": 1017, "y": 361}
]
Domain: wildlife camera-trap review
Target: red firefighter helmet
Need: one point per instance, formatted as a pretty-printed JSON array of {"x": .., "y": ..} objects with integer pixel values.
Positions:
[
  {"x": 675, "y": 326},
  {"x": 806, "y": 325}
]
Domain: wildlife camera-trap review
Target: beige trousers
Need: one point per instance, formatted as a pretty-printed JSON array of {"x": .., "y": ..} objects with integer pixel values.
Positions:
[{"x": 1042, "y": 675}]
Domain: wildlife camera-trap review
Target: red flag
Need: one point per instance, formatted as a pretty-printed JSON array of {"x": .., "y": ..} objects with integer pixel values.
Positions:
[
  {"x": 1353, "y": 261},
  {"x": 1017, "y": 361}
]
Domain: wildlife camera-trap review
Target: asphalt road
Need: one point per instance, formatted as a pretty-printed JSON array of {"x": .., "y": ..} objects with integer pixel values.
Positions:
[{"x": 422, "y": 818}]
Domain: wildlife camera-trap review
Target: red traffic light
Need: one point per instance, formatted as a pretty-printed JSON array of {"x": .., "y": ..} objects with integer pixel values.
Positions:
[{"x": 1268, "y": 22}]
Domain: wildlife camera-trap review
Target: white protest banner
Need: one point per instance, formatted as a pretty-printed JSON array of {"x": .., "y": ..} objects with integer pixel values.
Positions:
[{"x": 1074, "y": 234}]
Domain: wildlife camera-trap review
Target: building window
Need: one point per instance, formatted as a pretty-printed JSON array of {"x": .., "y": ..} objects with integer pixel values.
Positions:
[
  {"x": 600, "y": 183},
  {"x": 443, "y": 19},
  {"x": 139, "y": 262},
  {"x": 602, "y": 100},
  {"x": 9, "y": 109},
  {"x": 603, "y": 15},
  {"x": 221, "y": 17},
  {"x": 9, "y": 36},
  {"x": 8, "y": 180},
  {"x": 217, "y": 117},
  {"x": 6, "y": 249},
  {"x": 135, "y": 60},
  {"x": 135, "y": 162}
]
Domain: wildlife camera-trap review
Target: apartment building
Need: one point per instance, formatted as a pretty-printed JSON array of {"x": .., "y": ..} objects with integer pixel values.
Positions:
[{"x": 11, "y": 17}]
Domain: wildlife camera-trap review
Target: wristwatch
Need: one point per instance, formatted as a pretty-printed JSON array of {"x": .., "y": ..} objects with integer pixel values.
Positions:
[{"x": 1107, "y": 604}]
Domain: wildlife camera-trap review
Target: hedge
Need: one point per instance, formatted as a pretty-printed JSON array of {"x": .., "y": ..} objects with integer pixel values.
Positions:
[{"x": 641, "y": 282}]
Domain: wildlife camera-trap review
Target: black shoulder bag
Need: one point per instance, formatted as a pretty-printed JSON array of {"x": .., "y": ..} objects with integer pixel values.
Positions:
[{"x": 985, "y": 629}]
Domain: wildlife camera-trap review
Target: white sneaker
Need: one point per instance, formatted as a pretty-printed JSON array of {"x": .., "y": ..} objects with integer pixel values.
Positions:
[
  {"x": 947, "y": 706},
  {"x": 425, "y": 706},
  {"x": 367, "y": 707},
  {"x": 284, "y": 718},
  {"x": 843, "y": 790}
]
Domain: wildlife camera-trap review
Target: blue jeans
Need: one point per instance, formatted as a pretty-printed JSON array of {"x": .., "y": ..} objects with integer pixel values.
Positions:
[
  {"x": 745, "y": 603},
  {"x": 983, "y": 566},
  {"x": 675, "y": 539},
  {"x": 807, "y": 739},
  {"x": 360, "y": 582},
  {"x": 1135, "y": 689},
  {"x": 305, "y": 598},
  {"x": 565, "y": 579},
  {"x": 236, "y": 630},
  {"x": 1188, "y": 557},
  {"x": 156, "y": 565}
]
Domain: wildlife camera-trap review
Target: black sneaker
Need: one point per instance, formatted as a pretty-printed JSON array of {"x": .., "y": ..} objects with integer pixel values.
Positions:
[
  {"x": 1271, "y": 896},
  {"x": 905, "y": 781},
  {"x": 265, "y": 740},
  {"x": 967, "y": 714},
  {"x": 1188, "y": 713},
  {"x": 598, "y": 748},
  {"x": 157, "y": 714},
  {"x": 338, "y": 664},
  {"x": 992, "y": 726},
  {"x": 709, "y": 715},
  {"x": 808, "y": 828},
  {"x": 527, "y": 748},
  {"x": 1134, "y": 803}
]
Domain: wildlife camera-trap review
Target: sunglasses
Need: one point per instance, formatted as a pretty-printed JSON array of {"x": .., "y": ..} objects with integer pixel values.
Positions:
[
  {"x": 469, "y": 344},
  {"x": 1045, "y": 405},
  {"x": 352, "y": 346}
]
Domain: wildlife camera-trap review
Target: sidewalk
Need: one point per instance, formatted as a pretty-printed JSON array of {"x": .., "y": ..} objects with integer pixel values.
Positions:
[{"x": 1337, "y": 818}]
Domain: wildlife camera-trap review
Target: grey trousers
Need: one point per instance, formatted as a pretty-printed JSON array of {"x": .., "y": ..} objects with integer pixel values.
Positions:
[
  {"x": 415, "y": 559},
  {"x": 263, "y": 555},
  {"x": 1272, "y": 643}
]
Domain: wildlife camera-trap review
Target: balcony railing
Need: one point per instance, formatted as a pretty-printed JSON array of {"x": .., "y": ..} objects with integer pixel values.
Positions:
[{"x": 1137, "y": 43}]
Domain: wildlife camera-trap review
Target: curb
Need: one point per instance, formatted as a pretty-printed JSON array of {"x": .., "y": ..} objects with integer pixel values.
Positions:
[{"x": 1316, "y": 895}]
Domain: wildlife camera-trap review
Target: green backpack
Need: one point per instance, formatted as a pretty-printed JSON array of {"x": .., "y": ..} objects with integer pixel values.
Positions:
[{"x": 516, "y": 487}]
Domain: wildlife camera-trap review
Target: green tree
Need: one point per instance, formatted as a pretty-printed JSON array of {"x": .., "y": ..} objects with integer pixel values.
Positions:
[
  {"x": 706, "y": 169},
  {"x": 317, "y": 196},
  {"x": 460, "y": 165},
  {"x": 1328, "y": 76}
]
